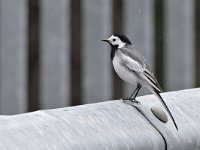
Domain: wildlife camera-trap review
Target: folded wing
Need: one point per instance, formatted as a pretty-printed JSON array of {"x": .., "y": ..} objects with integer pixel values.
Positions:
[{"x": 136, "y": 63}]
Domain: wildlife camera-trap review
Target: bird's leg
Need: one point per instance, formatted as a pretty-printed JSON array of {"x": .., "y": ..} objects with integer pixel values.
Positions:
[
  {"x": 139, "y": 87},
  {"x": 131, "y": 98},
  {"x": 133, "y": 92}
]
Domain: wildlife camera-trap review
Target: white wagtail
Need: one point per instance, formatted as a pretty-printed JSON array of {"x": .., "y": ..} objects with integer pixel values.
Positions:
[{"x": 131, "y": 66}]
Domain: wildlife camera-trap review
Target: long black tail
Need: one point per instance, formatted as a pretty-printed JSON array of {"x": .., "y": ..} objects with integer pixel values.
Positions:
[{"x": 164, "y": 104}]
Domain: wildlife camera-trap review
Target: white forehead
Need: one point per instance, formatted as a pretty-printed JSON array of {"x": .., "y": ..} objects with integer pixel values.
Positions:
[{"x": 112, "y": 37}]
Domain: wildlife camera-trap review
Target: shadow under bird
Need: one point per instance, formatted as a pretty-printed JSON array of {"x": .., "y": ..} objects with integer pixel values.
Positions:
[{"x": 132, "y": 67}]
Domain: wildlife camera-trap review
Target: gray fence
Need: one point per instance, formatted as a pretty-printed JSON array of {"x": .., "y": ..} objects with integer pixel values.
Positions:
[{"x": 51, "y": 55}]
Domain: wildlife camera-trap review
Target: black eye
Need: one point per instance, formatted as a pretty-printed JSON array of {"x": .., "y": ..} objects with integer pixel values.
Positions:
[{"x": 114, "y": 40}]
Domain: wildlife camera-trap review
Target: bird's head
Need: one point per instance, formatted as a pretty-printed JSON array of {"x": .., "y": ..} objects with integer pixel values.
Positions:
[{"x": 118, "y": 40}]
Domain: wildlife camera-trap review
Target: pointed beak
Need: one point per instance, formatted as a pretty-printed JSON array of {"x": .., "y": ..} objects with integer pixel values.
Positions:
[{"x": 105, "y": 41}]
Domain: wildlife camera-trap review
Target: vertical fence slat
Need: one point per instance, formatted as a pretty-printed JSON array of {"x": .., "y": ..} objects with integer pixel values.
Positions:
[
  {"x": 138, "y": 19},
  {"x": 159, "y": 26},
  {"x": 13, "y": 56},
  {"x": 33, "y": 55},
  {"x": 76, "y": 51},
  {"x": 54, "y": 53},
  {"x": 96, "y": 56},
  {"x": 179, "y": 53},
  {"x": 196, "y": 42},
  {"x": 117, "y": 27}
]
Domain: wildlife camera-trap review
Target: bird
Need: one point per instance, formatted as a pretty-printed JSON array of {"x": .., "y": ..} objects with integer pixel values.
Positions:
[{"x": 132, "y": 67}]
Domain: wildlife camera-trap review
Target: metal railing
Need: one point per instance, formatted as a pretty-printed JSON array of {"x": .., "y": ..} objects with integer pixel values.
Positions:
[{"x": 111, "y": 125}]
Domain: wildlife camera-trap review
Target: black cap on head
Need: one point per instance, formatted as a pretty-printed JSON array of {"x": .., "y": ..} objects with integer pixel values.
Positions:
[{"x": 123, "y": 38}]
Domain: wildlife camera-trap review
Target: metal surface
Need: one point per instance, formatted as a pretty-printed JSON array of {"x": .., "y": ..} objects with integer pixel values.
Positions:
[
  {"x": 108, "y": 125},
  {"x": 160, "y": 114}
]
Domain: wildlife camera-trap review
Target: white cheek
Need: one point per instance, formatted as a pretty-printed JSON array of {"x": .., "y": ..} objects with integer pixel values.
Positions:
[{"x": 121, "y": 45}]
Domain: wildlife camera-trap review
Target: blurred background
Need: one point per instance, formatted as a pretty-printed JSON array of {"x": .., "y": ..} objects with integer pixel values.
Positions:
[{"x": 51, "y": 54}]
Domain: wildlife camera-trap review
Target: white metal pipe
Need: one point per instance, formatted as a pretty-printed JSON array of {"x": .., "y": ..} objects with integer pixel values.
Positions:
[{"x": 106, "y": 126}]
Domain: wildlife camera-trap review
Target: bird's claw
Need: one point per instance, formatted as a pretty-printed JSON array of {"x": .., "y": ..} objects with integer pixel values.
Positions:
[
  {"x": 130, "y": 101},
  {"x": 129, "y": 98}
]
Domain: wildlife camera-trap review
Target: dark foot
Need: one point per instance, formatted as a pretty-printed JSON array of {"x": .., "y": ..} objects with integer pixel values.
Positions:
[
  {"x": 130, "y": 101},
  {"x": 129, "y": 98}
]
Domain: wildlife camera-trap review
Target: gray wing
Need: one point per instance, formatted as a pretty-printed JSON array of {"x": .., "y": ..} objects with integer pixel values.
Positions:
[{"x": 137, "y": 63}]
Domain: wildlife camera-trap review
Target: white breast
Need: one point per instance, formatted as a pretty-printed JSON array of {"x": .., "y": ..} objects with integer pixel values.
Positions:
[{"x": 123, "y": 72}]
